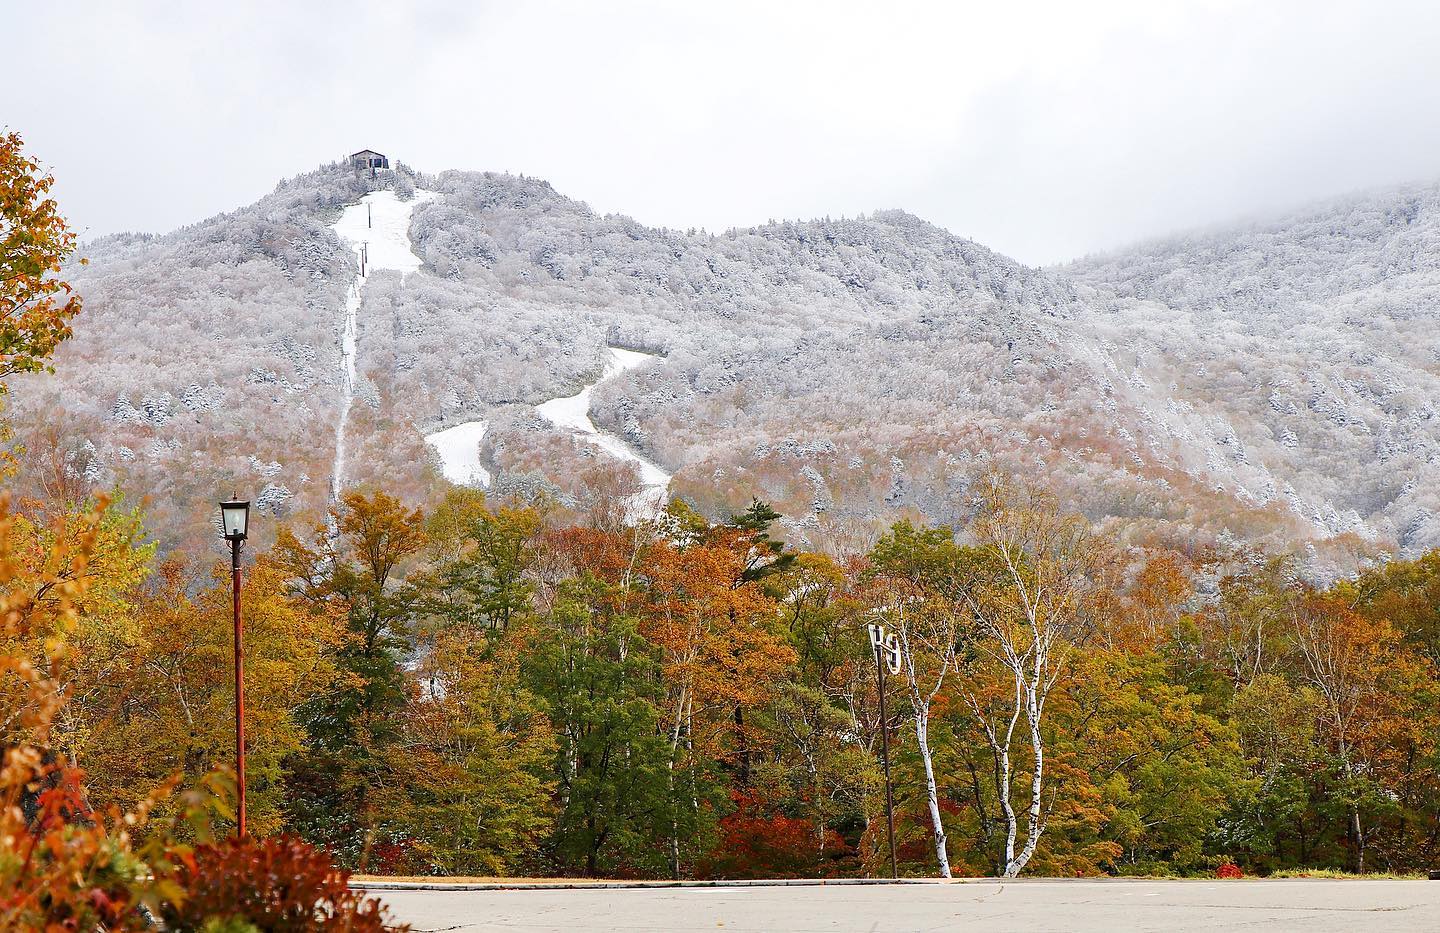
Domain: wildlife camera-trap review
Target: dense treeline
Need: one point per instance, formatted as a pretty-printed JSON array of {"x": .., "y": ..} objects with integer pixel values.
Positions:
[{"x": 504, "y": 688}]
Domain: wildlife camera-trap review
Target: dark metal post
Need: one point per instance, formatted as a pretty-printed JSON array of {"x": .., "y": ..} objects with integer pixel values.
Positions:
[
  {"x": 239, "y": 692},
  {"x": 885, "y": 761}
]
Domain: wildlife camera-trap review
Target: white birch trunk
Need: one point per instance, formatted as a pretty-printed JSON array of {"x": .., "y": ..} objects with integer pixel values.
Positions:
[
  {"x": 1033, "y": 828},
  {"x": 922, "y": 736},
  {"x": 942, "y": 648},
  {"x": 670, "y": 784}
]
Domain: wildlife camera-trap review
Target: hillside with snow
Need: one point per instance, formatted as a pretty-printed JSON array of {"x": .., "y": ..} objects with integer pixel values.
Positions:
[
  {"x": 1269, "y": 383},
  {"x": 1305, "y": 349}
]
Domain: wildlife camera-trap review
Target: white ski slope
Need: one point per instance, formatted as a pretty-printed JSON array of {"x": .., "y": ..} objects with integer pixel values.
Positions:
[
  {"x": 573, "y": 414},
  {"x": 459, "y": 450},
  {"x": 378, "y": 231}
]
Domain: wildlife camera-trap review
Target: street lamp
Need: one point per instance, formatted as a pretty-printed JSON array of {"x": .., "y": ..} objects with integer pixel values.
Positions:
[
  {"x": 887, "y": 655},
  {"x": 234, "y": 527}
]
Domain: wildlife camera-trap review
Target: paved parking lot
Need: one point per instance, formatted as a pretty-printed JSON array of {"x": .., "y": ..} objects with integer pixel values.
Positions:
[{"x": 1310, "y": 905}]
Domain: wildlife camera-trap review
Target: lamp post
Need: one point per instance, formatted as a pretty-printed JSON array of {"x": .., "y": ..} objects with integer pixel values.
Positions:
[
  {"x": 887, "y": 654},
  {"x": 234, "y": 523}
]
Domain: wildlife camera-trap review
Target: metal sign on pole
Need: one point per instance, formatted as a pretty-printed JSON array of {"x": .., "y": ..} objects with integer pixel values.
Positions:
[
  {"x": 887, "y": 644},
  {"x": 887, "y": 655}
]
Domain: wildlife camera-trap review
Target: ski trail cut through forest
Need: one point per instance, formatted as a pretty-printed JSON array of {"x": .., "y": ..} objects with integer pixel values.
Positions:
[
  {"x": 459, "y": 450},
  {"x": 573, "y": 414},
  {"x": 377, "y": 230}
]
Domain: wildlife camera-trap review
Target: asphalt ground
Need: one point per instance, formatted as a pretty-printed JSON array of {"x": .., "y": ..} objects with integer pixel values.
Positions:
[{"x": 1311, "y": 905}]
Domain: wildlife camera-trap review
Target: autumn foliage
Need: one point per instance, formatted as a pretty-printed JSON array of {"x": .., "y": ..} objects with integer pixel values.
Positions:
[
  {"x": 66, "y": 862},
  {"x": 36, "y": 306},
  {"x": 483, "y": 689},
  {"x": 278, "y": 884},
  {"x": 759, "y": 840},
  {"x": 77, "y": 642},
  {"x": 503, "y": 686}
]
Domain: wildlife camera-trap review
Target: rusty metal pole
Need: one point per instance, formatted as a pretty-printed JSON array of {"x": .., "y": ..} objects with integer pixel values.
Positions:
[
  {"x": 239, "y": 693},
  {"x": 885, "y": 760}
]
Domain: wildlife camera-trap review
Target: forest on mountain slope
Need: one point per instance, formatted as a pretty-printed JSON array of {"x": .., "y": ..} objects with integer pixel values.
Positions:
[
  {"x": 1240, "y": 386},
  {"x": 514, "y": 682}
]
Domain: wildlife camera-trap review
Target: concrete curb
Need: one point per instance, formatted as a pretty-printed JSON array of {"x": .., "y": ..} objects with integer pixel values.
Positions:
[
  {"x": 439, "y": 885},
  {"x": 602, "y": 885}
]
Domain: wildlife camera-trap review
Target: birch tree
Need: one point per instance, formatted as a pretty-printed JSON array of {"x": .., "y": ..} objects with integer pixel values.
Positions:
[
  {"x": 918, "y": 567},
  {"x": 927, "y": 635},
  {"x": 1036, "y": 588}
]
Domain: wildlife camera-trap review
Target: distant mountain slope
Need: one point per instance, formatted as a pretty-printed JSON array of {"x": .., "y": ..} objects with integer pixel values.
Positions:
[
  {"x": 849, "y": 370},
  {"x": 1315, "y": 337},
  {"x": 204, "y": 359}
]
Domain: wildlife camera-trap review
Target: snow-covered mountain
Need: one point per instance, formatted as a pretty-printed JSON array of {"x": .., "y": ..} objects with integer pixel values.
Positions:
[
  {"x": 1306, "y": 351},
  {"x": 1268, "y": 383}
]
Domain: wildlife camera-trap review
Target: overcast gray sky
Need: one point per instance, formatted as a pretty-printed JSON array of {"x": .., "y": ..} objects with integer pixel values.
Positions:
[{"x": 1043, "y": 129}]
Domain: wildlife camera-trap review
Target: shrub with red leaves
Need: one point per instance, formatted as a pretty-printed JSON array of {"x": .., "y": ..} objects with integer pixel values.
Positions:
[
  {"x": 758, "y": 843},
  {"x": 1229, "y": 870},
  {"x": 280, "y": 884}
]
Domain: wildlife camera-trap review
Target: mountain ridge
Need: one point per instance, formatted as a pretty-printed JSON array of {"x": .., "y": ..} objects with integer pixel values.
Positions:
[{"x": 850, "y": 370}]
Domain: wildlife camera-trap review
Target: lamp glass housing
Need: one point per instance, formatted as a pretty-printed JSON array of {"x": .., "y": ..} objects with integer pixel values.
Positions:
[{"x": 234, "y": 519}]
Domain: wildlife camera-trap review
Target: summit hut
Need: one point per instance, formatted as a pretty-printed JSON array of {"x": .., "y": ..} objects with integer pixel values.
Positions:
[{"x": 368, "y": 161}]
